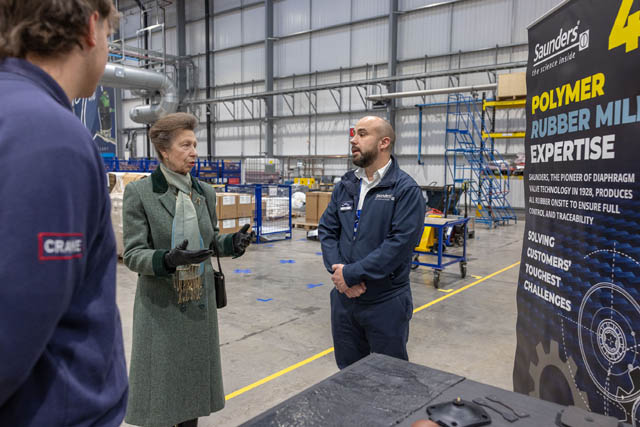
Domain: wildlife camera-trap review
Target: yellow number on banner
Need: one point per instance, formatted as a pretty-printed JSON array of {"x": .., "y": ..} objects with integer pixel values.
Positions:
[{"x": 626, "y": 28}]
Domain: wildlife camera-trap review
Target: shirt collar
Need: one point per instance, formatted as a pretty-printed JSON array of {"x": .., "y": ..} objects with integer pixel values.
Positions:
[
  {"x": 377, "y": 175},
  {"x": 37, "y": 75}
]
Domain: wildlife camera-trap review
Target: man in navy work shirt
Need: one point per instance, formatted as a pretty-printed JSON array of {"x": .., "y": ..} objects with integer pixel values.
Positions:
[
  {"x": 61, "y": 353},
  {"x": 368, "y": 232}
]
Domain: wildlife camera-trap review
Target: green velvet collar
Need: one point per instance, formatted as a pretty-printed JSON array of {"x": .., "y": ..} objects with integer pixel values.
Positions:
[{"x": 160, "y": 185}]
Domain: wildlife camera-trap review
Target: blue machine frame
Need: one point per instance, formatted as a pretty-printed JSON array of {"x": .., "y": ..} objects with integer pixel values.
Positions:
[
  {"x": 257, "y": 190},
  {"x": 440, "y": 226}
]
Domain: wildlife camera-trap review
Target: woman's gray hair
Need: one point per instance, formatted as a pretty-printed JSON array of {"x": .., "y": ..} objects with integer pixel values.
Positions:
[{"x": 164, "y": 130}]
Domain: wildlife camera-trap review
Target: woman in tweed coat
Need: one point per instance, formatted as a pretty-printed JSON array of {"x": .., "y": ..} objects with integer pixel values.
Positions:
[{"x": 175, "y": 374}]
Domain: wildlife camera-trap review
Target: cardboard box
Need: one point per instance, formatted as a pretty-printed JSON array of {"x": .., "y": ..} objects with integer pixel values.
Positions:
[
  {"x": 245, "y": 206},
  {"x": 317, "y": 202},
  {"x": 226, "y": 205},
  {"x": 311, "y": 207},
  {"x": 227, "y": 226},
  {"x": 323, "y": 202},
  {"x": 513, "y": 85},
  {"x": 245, "y": 220}
]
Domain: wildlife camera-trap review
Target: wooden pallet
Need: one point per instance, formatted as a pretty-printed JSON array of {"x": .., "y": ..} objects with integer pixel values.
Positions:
[{"x": 305, "y": 225}]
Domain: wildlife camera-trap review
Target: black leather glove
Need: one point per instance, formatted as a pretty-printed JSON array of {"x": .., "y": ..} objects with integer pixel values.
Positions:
[
  {"x": 242, "y": 239},
  {"x": 180, "y": 255}
]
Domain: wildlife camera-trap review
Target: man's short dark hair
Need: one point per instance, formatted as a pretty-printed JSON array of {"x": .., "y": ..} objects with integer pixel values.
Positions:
[{"x": 48, "y": 27}]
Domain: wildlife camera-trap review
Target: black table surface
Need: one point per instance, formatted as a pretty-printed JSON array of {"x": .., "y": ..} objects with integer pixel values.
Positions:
[{"x": 383, "y": 391}]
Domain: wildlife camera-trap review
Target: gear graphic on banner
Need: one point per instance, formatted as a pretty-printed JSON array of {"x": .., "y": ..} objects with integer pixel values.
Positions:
[
  {"x": 607, "y": 339},
  {"x": 549, "y": 364}
]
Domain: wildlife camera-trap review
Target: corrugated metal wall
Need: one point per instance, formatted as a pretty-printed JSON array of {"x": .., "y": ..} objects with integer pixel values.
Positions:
[{"x": 429, "y": 39}]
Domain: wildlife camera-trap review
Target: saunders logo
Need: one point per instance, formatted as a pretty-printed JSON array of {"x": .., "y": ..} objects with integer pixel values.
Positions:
[
  {"x": 563, "y": 42},
  {"x": 59, "y": 246}
]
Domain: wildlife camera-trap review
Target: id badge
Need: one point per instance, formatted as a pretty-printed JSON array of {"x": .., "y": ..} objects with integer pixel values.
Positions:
[{"x": 346, "y": 206}]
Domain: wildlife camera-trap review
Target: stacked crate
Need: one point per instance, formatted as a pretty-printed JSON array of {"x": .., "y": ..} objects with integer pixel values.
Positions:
[{"x": 233, "y": 210}]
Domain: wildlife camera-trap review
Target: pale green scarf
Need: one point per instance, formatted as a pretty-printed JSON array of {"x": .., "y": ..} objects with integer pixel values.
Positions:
[{"x": 187, "y": 280}]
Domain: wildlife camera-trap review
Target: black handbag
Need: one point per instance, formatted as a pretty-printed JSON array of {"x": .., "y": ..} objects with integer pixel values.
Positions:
[
  {"x": 218, "y": 276},
  {"x": 218, "y": 281}
]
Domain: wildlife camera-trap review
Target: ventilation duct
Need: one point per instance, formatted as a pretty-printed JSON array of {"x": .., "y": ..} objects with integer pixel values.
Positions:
[{"x": 157, "y": 86}]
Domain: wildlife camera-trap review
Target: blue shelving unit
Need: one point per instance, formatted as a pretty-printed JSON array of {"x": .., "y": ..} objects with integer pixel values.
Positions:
[
  {"x": 272, "y": 218},
  {"x": 214, "y": 171},
  {"x": 487, "y": 191}
]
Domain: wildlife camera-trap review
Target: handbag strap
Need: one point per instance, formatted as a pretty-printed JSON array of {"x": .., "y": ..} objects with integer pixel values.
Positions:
[{"x": 215, "y": 240}]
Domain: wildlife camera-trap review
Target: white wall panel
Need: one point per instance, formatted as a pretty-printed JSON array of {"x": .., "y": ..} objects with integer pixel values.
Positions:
[
  {"x": 369, "y": 8},
  {"x": 252, "y": 63},
  {"x": 291, "y": 137},
  {"x": 228, "y": 140},
  {"x": 253, "y": 24},
  {"x": 424, "y": 33},
  {"x": 221, "y": 5},
  {"x": 330, "y": 49},
  {"x": 528, "y": 11},
  {"x": 227, "y": 66},
  {"x": 252, "y": 136},
  {"x": 227, "y": 30},
  {"x": 413, "y": 4},
  {"x": 433, "y": 131},
  {"x": 194, "y": 9},
  {"x": 329, "y": 12},
  {"x": 127, "y": 105},
  {"x": 481, "y": 23},
  {"x": 130, "y": 24},
  {"x": 200, "y": 63},
  {"x": 290, "y": 16},
  {"x": 336, "y": 167},
  {"x": 332, "y": 137},
  {"x": 432, "y": 172},
  {"x": 196, "y": 41},
  {"x": 201, "y": 137},
  {"x": 326, "y": 102},
  {"x": 291, "y": 56},
  {"x": 155, "y": 42},
  {"x": 170, "y": 16},
  {"x": 369, "y": 44}
]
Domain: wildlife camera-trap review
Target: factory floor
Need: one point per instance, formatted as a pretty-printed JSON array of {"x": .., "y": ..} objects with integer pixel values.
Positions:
[{"x": 275, "y": 333}]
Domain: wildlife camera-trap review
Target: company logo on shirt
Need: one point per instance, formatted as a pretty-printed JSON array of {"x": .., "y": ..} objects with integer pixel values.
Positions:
[
  {"x": 387, "y": 197},
  {"x": 346, "y": 206},
  {"x": 59, "y": 246}
]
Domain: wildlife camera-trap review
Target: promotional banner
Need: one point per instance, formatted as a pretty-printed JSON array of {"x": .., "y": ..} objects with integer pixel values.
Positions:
[
  {"x": 578, "y": 329},
  {"x": 98, "y": 115}
]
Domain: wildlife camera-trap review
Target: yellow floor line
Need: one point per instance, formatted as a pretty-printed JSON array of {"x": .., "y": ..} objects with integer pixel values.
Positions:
[
  {"x": 446, "y": 291},
  {"x": 475, "y": 277},
  {"x": 330, "y": 350},
  {"x": 277, "y": 374},
  {"x": 457, "y": 291}
]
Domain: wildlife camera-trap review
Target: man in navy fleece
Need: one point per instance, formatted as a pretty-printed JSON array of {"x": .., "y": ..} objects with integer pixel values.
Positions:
[
  {"x": 368, "y": 232},
  {"x": 61, "y": 354}
]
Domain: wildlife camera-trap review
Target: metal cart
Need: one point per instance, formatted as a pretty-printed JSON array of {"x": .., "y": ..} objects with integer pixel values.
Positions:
[{"x": 440, "y": 225}]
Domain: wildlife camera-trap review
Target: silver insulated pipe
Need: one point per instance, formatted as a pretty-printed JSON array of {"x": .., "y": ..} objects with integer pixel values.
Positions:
[{"x": 155, "y": 84}]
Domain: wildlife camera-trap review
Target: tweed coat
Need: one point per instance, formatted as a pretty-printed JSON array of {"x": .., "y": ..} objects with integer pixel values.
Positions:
[{"x": 175, "y": 372}]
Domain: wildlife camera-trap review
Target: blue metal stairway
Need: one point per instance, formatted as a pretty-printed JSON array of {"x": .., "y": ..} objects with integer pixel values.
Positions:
[{"x": 487, "y": 191}]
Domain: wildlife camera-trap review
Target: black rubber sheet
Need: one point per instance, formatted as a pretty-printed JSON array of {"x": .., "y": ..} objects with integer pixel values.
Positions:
[{"x": 375, "y": 391}]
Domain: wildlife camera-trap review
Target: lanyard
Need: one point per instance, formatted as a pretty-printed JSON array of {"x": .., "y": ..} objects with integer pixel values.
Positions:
[
  {"x": 355, "y": 224},
  {"x": 358, "y": 212}
]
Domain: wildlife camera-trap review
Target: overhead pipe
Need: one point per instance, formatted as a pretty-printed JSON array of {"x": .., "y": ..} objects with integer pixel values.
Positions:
[
  {"x": 139, "y": 80},
  {"x": 441, "y": 91}
]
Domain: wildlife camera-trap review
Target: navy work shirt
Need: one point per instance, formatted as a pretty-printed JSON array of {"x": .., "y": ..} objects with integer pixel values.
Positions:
[{"x": 61, "y": 354}]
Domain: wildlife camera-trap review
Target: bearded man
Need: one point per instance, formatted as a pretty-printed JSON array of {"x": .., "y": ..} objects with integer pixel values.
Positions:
[{"x": 368, "y": 232}]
